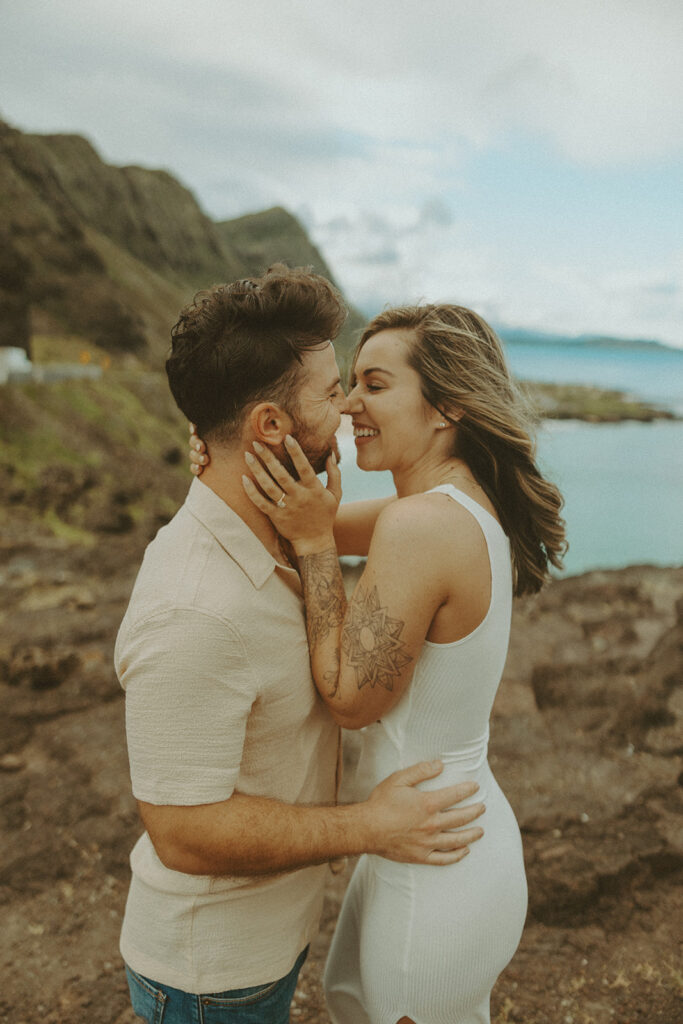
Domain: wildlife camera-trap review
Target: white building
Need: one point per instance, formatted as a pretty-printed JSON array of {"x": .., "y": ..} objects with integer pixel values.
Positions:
[{"x": 14, "y": 363}]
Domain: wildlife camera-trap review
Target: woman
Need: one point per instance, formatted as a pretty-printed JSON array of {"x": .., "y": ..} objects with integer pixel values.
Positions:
[{"x": 417, "y": 654}]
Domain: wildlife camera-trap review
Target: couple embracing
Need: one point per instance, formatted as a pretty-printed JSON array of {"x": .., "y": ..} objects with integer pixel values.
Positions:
[{"x": 241, "y": 658}]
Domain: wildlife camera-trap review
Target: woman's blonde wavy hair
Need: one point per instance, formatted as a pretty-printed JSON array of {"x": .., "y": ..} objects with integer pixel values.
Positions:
[{"x": 465, "y": 377}]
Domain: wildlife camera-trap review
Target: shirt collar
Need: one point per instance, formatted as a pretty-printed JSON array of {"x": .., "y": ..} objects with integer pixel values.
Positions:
[{"x": 231, "y": 532}]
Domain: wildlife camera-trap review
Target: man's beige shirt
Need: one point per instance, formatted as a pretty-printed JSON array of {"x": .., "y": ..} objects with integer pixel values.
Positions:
[{"x": 213, "y": 657}]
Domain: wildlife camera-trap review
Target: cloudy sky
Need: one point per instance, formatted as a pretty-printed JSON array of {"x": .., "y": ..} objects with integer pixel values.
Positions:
[{"x": 523, "y": 158}]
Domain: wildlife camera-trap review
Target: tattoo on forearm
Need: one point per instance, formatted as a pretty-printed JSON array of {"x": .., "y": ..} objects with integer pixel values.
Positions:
[
  {"x": 370, "y": 641},
  {"x": 324, "y": 595},
  {"x": 331, "y": 677}
]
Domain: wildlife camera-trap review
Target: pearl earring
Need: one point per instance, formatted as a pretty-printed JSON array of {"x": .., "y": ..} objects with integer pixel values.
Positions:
[{"x": 442, "y": 424}]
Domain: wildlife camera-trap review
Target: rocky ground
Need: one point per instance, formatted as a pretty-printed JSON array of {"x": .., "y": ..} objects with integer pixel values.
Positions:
[
  {"x": 586, "y": 738},
  {"x": 586, "y": 741}
]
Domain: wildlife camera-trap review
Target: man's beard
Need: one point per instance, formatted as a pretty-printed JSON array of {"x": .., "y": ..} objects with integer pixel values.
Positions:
[{"x": 316, "y": 451}]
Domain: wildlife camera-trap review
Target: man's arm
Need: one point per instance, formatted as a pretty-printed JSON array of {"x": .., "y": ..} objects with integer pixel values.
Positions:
[
  {"x": 186, "y": 716},
  {"x": 248, "y": 835}
]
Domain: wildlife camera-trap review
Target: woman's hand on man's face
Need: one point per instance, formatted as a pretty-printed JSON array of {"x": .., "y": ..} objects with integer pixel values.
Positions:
[
  {"x": 301, "y": 510},
  {"x": 199, "y": 457}
]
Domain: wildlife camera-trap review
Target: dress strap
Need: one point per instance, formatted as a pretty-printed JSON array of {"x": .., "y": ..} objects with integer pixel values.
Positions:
[{"x": 482, "y": 515}]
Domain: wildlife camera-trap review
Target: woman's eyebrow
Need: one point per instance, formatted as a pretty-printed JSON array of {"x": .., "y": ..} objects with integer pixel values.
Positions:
[{"x": 376, "y": 369}]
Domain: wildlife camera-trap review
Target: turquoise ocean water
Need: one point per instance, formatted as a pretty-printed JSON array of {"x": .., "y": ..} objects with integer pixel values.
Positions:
[{"x": 622, "y": 483}]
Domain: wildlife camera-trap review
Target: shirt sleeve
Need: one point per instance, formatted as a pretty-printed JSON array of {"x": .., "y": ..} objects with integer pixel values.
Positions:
[{"x": 189, "y": 691}]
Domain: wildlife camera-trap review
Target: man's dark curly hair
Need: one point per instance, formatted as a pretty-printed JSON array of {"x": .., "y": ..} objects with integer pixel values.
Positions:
[{"x": 241, "y": 343}]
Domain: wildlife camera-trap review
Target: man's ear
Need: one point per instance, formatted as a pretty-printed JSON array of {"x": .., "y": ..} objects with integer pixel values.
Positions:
[{"x": 270, "y": 423}]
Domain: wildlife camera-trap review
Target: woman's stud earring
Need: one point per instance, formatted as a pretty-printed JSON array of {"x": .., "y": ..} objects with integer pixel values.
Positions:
[{"x": 442, "y": 424}]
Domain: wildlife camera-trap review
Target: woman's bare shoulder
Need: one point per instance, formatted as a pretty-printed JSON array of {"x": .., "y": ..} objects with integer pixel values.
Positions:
[{"x": 432, "y": 520}]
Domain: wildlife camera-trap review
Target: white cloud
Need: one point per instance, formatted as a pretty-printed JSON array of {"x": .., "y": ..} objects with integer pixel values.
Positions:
[
  {"x": 600, "y": 80},
  {"x": 433, "y": 259}
]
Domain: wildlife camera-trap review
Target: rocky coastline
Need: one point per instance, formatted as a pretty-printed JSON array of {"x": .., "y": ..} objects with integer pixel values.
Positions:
[
  {"x": 587, "y": 742},
  {"x": 592, "y": 404}
]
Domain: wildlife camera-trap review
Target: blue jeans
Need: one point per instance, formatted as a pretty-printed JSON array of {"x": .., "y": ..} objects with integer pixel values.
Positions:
[{"x": 260, "y": 1004}]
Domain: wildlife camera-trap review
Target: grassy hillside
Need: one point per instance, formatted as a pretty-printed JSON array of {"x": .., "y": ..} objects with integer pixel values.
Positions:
[{"x": 83, "y": 460}]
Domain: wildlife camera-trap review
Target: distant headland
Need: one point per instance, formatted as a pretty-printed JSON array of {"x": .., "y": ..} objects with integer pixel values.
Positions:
[{"x": 527, "y": 336}]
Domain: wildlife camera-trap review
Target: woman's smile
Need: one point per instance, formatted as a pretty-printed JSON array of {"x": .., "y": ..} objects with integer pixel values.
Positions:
[{"x": 363, "y": 433}]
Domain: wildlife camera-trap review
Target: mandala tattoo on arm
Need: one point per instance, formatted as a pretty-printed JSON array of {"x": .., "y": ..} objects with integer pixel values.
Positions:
[
  {"x": 370, "y": 641},
  {"x": 324, "y": 595}
]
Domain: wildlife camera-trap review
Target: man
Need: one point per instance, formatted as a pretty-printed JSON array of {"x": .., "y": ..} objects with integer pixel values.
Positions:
[{"x": 233, "y": 756}]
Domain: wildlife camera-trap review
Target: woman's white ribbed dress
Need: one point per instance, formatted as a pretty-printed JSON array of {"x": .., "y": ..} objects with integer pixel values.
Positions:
[{"x": 422, "y": 941}]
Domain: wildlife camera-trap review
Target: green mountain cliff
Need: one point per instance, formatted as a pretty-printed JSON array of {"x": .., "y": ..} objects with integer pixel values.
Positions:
[{"x": 108, "y": 255}]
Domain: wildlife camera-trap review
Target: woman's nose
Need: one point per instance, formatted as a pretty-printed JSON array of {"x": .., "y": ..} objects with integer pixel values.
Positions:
[{"x": 353, "y": 402}]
